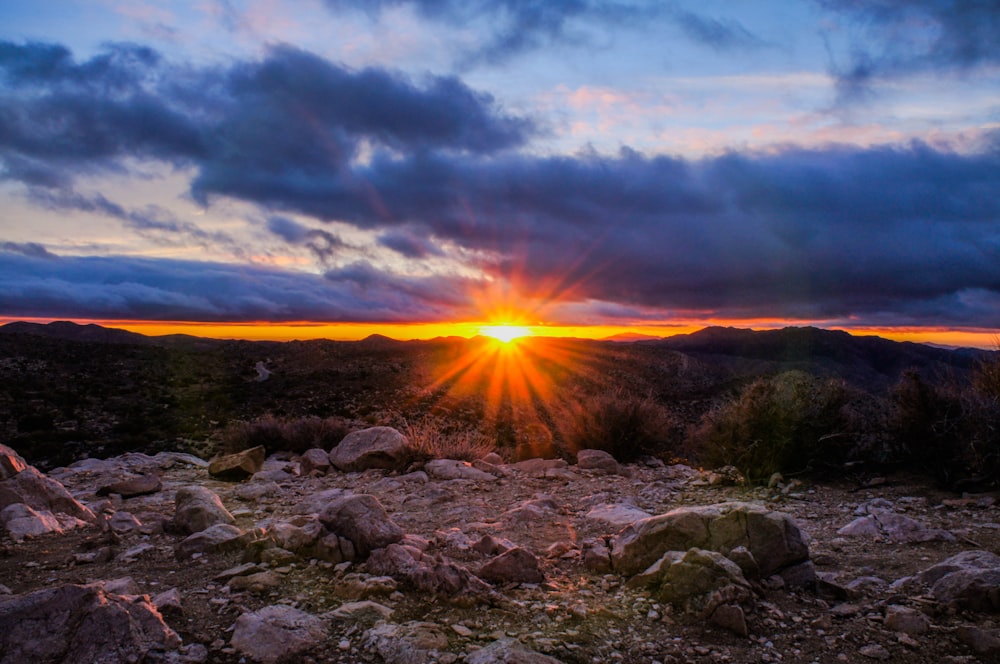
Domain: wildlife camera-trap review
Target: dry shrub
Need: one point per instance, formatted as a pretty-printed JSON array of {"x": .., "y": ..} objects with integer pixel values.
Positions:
[
  {"x": 951, "y": 430},
  {"x": 294, "y": 435},
  {"x": 790, "y": 423},
  {"x": 620, "y": 423},
  {"x": 431, "y": 439}
]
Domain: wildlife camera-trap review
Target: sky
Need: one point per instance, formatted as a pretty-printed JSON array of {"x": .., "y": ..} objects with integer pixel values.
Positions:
[{"x": 298, "y": 168}]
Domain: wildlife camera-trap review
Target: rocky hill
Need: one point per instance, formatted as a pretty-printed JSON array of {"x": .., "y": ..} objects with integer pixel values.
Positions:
[{"x": 365, "y": 553}]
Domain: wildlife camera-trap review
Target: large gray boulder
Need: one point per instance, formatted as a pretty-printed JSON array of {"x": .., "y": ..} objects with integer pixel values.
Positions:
[
  {"x": 363, "y": 521},
  {"x": 218, "y": 538},
  {"x": 81, "y": 624},
  {"x": 34, "y": 489},
  {"x": 21, "y": 521},
  {"x": 772, "y": 537},
  {"x": 377, "y": 447},
  {"x": 277, "y": 633},
  {"x": 969, "y": 580},
  {"x": 441, "y": 579},
  {"x": 197, "y": 508}
]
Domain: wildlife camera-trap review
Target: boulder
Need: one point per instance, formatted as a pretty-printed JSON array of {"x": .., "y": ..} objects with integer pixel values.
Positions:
[
  {"x": 411, "y": 643},
  {"x": 772, "y": 537},
  {"x": 969, "y": 580},
  {"x": 906, "y": 620},
  {"x": 130, "y": 488},
  {"x": 363, "y": 521},
  {"x": 277, "y": 633},
  {"x": 438, "y": 578},
  {"x": 81, "y": 624},
  {"x": 217, "y": 538},
  {"x": 615, "y": 517},
  {"x": 11, "y": 463},
  {"x": 514, "y": 566},
  {"x": 894, "y": 527},
  {"x": 597, "y": 460},
  {"x": 451, "y": 469},
  {"x": 41, "y": 493},
  {"x": 509, "y": 651},
  {"x": 377, "y": 447},
  {"x": 697, "y": 581},
  {"x": 197, "y": 508},
  {"x": 315, "y": 459},
  {"x": 238, "y": 466},
  {"x": 539, "y": 467},
  {"x": 21, "y": 521}
]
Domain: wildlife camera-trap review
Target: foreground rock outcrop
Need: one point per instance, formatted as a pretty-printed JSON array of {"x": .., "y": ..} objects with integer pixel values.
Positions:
[
  {"x": 82, "y": 624},
  {"x": 448, "y": 561}
]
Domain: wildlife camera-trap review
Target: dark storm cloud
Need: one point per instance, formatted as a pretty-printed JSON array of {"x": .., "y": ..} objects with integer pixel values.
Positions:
[
  {"x": 151, "y": 221},
  {"x": 409, "y": 242},
  {"x": 908, "y": 233},
  {"x": 901, "y": 38},
  {"x": 291, "y": 110},
  {"x": 323, "y": 244},
  {"x": 136, "y": 288},
  {"x": 30, "y": 249}
]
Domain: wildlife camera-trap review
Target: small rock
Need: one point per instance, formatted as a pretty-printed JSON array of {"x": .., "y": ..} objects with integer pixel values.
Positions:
[
  {"x": 731, "y": 617},
  {"x": 874, "y": 651},
  {"x": 508, "y": 651},
  {"x": 277, "y": 632},
  {"x": 514, "y": 566},
  {"x": 239, "y": 466},
  {"x": 315, "y": 459},
  {"x": 131, "y": 488},
  {"x": 906, "y": 620},
  {"x": 982, "y": 641},
  {"x": 355, "y": 611},
  {"x": 597, "y": 460},
  {"x": 214, "y": 539},
  {"x": 197, "y": 508}
]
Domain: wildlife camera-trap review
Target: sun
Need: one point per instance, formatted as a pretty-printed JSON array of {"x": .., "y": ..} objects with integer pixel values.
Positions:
[{"x": 505, "y": 332}]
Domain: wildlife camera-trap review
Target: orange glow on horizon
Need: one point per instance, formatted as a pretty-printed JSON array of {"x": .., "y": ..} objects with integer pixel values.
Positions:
[{"x": 988, "y": 339}]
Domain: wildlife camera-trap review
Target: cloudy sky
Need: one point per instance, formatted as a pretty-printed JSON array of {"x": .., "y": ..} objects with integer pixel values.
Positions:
[{"x": 568, "y": 163}]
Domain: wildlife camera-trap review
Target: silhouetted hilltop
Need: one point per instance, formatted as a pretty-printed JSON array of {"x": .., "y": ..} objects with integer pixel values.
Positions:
[
  {"x": 94, "y": 333},
  {"x": 867, "y": 360}
]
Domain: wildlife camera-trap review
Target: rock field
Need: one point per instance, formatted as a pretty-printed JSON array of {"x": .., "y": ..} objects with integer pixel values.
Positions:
[{"x": 365, "y": 554}]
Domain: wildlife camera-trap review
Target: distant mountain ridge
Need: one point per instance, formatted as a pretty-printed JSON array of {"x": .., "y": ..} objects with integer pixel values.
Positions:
[
  {"x": 93, "y": 333},
  {"x": 868, "y": 360}
]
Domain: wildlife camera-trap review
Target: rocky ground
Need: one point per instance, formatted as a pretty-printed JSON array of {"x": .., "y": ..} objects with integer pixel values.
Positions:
[{"x": 490, "y": 562}]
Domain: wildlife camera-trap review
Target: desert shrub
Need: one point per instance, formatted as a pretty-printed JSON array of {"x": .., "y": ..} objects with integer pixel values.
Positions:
[
  {"x": 431, "y": 439},
  {"x": 620, "y": 423},
  {"x": 951, "y": 429},
  {"x": 791, "y": 423},
  {"x": 292, "y": 434}
]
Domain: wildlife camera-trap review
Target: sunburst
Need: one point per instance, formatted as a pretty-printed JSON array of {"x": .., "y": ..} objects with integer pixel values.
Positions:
[{"x": 505, "y": 332}]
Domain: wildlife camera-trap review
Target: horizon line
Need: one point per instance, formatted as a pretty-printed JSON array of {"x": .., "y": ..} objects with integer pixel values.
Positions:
[{"x": 356, "y": 331}]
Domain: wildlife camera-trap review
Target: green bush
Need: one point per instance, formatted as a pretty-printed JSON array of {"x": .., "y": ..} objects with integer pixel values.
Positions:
[
  {"x": 791, "y": 423},
  {"x": 294, "y": 435},
  {"x": 620, "y": 423}
]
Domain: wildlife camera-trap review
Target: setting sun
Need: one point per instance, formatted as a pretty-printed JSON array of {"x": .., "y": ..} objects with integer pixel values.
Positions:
[{"x": 505, "y": 333}]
